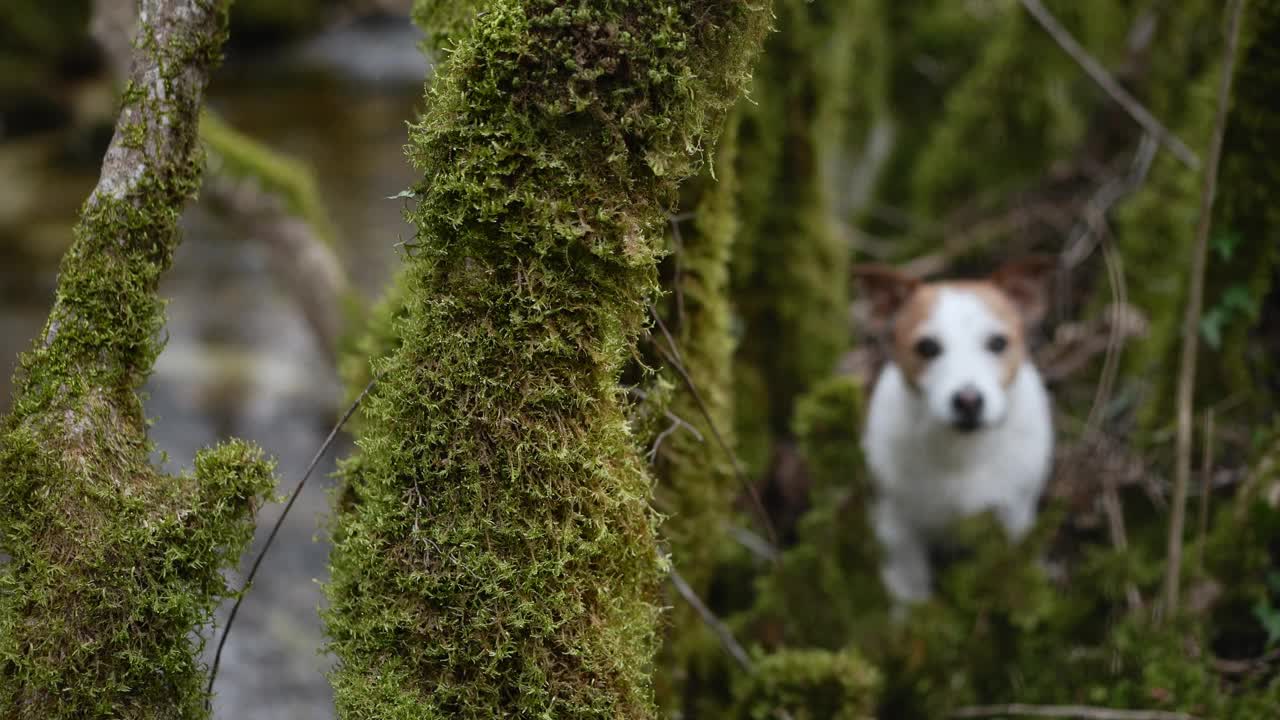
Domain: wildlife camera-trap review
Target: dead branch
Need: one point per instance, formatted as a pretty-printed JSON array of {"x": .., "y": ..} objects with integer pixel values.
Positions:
[
  {"x": 1191, "y": 323},
  {"x": 1108, "y": 83},
  {"x": 672, "y": 356},
  {"x": 722, "y": 631}
]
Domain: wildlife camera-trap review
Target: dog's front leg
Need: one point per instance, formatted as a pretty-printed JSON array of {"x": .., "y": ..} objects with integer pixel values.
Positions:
[{"x": 904, "y": 567}]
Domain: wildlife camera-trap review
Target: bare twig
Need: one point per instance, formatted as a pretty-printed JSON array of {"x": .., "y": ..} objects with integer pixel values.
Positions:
[
  {"x": 1075, "y": 712},
  {"x": 1191, "y": 323},
  {"x": 672, "y": 356},
  {"x": 275, "y": 529},
  {"x": 1108, "y": 83},
  {"x": 722, "y": 631}
]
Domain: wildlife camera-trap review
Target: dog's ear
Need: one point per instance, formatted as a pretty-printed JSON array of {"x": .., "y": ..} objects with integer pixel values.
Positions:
[
  {"x": 886, "y": 288},
  {"x": 1026, "y": 281}
]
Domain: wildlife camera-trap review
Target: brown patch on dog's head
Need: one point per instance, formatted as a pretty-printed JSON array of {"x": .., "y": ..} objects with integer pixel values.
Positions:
[
  {"x": 1025, "y": 282},
  {"x": 1016, "y": 295}
]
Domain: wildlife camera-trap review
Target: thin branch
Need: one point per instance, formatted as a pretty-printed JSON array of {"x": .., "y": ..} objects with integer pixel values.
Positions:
[
  {"x": 673, "y": 358},
  {"x": 1191, "y": 323},
  {"x": 1073, "y": 712},
  {"x": 722, "y": 631},
  {"x": 262, "y": 554},
  {"x": 1108, "y": 83}
]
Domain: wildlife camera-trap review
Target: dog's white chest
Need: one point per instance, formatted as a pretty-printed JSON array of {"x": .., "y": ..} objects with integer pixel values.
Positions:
[{"x": 927, "y": 475}]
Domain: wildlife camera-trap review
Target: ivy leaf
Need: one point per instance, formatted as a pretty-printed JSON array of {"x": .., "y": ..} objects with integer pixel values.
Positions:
[
  {"x": 1211, "y": 327},
  {"x": 1239, "y": 298},
  {"x": 1225, "y": 244},
  {"x": 1270, "y": 619}
]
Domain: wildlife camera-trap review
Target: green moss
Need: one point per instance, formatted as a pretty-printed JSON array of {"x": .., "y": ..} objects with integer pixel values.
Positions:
[
  {"x": 114, "y": 566},
  {"x": 1021, "y": 107},
  {"x": 696, "y": 481},
  {"x": 790, "y": 269},
  {"x": 1244, "y": 260},
  {"x": 825, "y": 590},
  {"x": 810, "y": 685},
  {"x": 497, "y": 553},
  {"x": 442, "y": 19}
]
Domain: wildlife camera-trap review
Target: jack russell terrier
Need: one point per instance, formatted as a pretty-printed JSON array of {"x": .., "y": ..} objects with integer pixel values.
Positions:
[{"x": 959, "y": 419}]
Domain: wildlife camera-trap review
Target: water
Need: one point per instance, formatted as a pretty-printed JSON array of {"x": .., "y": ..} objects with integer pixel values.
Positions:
[{"x": 240, "y": 359}]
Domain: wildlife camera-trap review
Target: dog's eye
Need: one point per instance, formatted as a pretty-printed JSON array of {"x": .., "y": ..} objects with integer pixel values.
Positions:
[
  {"x": 928, "y": 348},
  {"x": 997, "y": 343}
]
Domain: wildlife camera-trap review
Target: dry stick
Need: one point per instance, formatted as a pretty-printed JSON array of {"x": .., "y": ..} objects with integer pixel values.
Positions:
[
  {"x": 1076, "y": 712},
  {"x": 1107, "y": 82},
  {"x": 257, "y": 562},
  {"x": 722, "y": 631},
  {"x": 673, "y": 357},
  {"x": 1191, "y": 324}
]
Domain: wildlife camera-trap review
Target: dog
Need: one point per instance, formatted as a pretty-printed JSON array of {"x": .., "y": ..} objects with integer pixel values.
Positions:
[{"x": 959, "y": 419}]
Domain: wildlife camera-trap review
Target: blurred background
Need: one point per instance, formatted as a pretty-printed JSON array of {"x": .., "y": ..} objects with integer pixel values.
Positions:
[{"x": 944, "y": 136}]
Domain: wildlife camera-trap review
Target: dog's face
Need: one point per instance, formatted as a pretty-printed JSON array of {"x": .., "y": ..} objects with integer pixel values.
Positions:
[{"x": 960, "y": 344}]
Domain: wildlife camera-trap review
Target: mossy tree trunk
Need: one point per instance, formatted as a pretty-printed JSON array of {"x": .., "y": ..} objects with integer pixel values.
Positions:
[
  {"x": 1245, "y": 252},
  {"x": 114, "y": 565},
  {"x": 696, "y": 480},
  {"x": 790, "y": 268},
  {"x": 497, "y": 555}
]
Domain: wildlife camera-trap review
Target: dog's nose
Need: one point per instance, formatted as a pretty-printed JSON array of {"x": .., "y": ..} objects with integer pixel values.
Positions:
[{"x": 967, "y": 403}]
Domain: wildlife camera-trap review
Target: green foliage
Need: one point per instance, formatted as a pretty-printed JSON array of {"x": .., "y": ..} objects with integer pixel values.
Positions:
[
  {"x": 696, "y": 481},
  {"x": 114, "y": 566},
  {"x": 790, "y": 267},
  {"x": 1246, "y": 255},
  {"x": 810, "y": 685},
  {"x": 496, "y": 556},
  {"x": 442, "y": 19}
]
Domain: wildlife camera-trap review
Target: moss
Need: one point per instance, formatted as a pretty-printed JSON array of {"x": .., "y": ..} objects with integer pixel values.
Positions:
[
  {"x": 1017, "y": 110},
  {"x": 115, "y": 566},
  {"x": 810, "y": 685},
  {"x": 696, "y": 482},
  {"x": 790, "y": 269},
  {"x": 497, "y": 554},
  {"x": 1154, "y": 230},
  {"x": 442, "y": 19},
  {"x": 1244, "y": 261},
  {"x": 825, "y": 590},
  {"x": 242, "y": 158}
]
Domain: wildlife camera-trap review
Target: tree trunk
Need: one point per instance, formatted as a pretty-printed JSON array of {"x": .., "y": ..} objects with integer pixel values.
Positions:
[
  {"x": 114, "y": 566},
  {"x": 496, "y": 556}
]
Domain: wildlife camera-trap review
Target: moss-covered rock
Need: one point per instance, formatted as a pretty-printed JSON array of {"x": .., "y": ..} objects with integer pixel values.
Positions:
[
  {"x": 497, "y": 556},
  {"x": 113, "y": 565}
]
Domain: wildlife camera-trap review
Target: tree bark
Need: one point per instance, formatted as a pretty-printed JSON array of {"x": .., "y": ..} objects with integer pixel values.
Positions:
[
  {"x": 497, "y": 556},
  {"x": 114, "y": 566}
]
